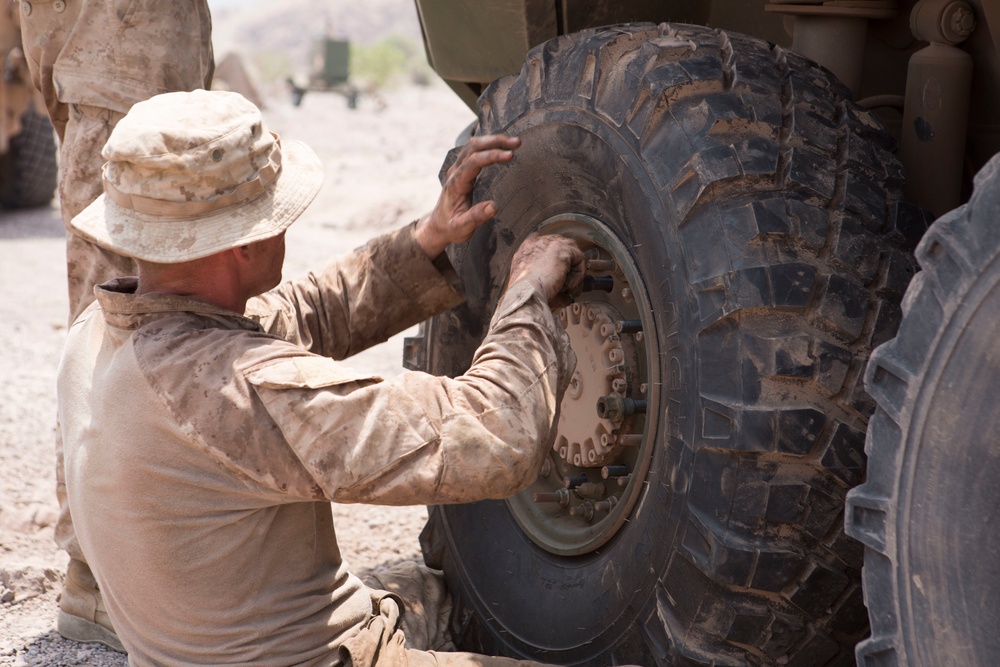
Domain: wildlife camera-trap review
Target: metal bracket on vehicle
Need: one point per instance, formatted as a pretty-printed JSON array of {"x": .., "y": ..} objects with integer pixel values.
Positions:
[
  {"x": 936, "y": 111},
  {"x": 833, "y": 33},
  {"x": 415, "y": 349}
]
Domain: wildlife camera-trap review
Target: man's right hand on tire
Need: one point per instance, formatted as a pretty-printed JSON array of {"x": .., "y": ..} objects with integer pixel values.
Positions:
[{"x": 554, "y": 264}]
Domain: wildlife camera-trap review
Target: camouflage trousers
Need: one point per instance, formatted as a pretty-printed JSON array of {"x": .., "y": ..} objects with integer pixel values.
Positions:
[
  {"x": 87, "y": 130},
  {"x": 411, "y": 608}
]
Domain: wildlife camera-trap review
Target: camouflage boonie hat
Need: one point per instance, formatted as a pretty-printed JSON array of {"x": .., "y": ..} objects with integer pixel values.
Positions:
[{"x": 192, "y": 174}]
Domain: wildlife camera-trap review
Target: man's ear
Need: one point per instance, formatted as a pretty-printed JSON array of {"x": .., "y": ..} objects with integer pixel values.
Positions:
[{"x": 242, "y": 253}]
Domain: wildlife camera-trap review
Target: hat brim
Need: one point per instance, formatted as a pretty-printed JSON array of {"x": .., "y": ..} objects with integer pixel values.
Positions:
[{"x": 173, "y": 240}]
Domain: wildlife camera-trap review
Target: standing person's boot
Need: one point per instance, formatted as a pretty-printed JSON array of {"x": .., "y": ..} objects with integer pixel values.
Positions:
[{"x": 82, "y": 616}]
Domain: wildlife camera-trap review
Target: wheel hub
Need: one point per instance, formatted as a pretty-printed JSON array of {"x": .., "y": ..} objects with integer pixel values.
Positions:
[
  {"x": 584, "y": 439},
  {"x": 604, "y": 442}
]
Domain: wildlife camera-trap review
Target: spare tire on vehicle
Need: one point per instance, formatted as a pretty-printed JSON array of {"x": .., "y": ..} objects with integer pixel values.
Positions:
[
  {"x": 29, "y": 169},
  {"x": 924, "y": 514},
  {"x": 750, "y": 248}
]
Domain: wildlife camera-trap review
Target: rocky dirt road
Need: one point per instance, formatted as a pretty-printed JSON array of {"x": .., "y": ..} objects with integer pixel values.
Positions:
[{"x": 381, "y": 172}]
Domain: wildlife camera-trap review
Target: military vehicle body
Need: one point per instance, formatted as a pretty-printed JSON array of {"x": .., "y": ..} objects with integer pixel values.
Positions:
[{"x": 750, "y": 181}]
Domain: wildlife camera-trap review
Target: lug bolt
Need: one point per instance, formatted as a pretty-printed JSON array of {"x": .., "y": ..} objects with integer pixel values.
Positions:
[
  {"x": 591, "y": 490},
  {"x": 585, "y": 510},
  {"x": 627, "y": 293},
  {"x": 598, "y": 283},
  {"x": 642, "y": 388},
  {"x": 561, "y": 496},
  {"x": 624, "y": 481},
  {"x": 630, "y": 440},
  {"x": 574, "y": 481},
  {"x": 616, "y": 407},
  {"x": 603, "y": 265},
  {"x": 618, "y": 385},
  {"x": 606, "y": 505},
  {"x": 607, "y": 439},
  {"x": 614, "y": 471},
  {"x": 629, "y": 326},
  {"x": 546, "y": 468}
]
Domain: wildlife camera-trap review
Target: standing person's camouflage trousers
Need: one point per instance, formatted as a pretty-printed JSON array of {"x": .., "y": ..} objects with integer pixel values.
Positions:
[{"x": 92, "y": 60}]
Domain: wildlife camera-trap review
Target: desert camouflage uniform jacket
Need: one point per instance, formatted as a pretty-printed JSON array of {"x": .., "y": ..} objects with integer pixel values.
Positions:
[{"x": 203, "y": 447}]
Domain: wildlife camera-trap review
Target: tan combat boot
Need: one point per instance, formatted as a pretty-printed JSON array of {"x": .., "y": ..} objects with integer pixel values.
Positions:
[{"x": 82, "y": 616}]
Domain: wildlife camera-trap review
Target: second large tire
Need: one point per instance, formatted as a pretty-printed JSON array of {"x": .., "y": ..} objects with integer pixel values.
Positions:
[
  {"x": 925, "y": 513},
  {"x": 761, "y": 212}
]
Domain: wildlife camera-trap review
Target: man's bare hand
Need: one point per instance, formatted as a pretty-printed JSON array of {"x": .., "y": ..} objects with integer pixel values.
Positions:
[
  {"x": 554, "y": 264},
  {"x": 454, "y": 218}
]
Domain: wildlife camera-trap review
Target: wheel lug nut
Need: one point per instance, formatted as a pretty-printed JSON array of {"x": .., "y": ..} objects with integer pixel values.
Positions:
[
  {"x": 618, "y": 385},
  {"x": 574, "y": 481},
  {"x": 614, "y": 471},
  {"x": 606, "y": 505},
  {"x": 585, "y": 510},
  {"x": 627, "y": 293},
  {"x": 591, "y": 490},
  {"x": 561, "y": 496},
  {"x": 629, "y": 326},
  {"x": 598, "y": 283},
  {"x": 630, "y": 440},
  {"x": 616, "y": 407},
  {"x": 546, "y": 468}
]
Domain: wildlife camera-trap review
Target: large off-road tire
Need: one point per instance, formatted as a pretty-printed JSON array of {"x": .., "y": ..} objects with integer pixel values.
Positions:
[
  {"x": 753, "y": 219},
  {"x": 927, "y": 510},
  {"x": 28, "y": 171}
]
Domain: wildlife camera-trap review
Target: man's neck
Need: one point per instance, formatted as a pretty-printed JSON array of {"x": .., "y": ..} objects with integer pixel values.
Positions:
[{"x": 210, "y": 279}]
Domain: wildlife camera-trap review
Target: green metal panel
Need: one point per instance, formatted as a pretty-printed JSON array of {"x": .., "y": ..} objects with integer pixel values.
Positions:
[
  {"x": 332, "y": 61},
  {"x": 481, "y": 40},
  {"x": 472, "y": 42}
]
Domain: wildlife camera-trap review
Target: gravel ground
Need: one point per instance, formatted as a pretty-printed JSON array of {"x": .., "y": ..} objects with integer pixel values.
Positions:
[{"x": 381, "y": 168}]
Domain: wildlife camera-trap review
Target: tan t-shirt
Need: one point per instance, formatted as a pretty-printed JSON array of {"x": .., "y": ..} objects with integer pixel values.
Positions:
[{"x": 202, "y": 450}]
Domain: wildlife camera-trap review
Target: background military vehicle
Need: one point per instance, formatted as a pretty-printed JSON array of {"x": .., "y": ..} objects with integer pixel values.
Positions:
[
  {"x": 28, "y": 166},
  {"x": 750, "y": 181}
]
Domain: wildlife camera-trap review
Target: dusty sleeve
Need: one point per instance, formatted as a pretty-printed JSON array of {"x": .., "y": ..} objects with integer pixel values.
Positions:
[
  {"x": 421, "y": 439},
  {"x": 360, "y": 299}
]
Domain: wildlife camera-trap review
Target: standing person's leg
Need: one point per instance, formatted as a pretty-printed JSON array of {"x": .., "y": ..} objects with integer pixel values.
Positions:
[
  {"x": 44, "y": 30},
  {"x": 81, "y": 610},
  {"x": 177, "y": 46},
  {"x": 80, "y": 184}
]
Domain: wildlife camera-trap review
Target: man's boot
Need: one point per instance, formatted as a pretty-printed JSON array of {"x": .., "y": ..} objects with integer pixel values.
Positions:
[{"x": 82, "y": 616}]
